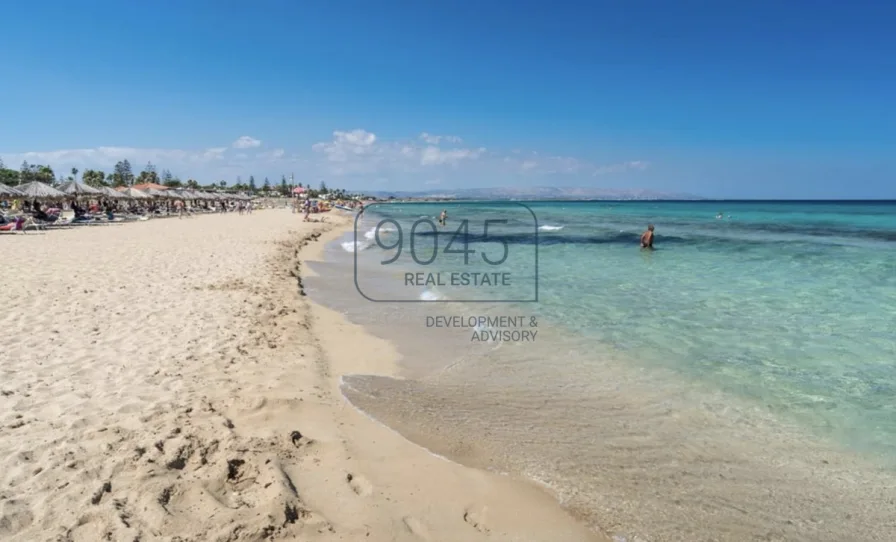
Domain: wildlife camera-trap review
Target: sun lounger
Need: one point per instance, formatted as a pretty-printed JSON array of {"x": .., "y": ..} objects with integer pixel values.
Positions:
[{"x": 14, "y": 227}]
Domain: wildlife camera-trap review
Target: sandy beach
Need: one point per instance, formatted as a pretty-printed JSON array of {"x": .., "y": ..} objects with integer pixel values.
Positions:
[{"x": 168, "y": 380}]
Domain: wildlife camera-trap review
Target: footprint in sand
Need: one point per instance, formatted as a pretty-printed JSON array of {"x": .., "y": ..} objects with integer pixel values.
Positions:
[
  {"x": 359, "y": 484},
  {"x": 15, "y": 516},
  {"x": 414, "y": 526},
  {"x": 476, "y": 519}
]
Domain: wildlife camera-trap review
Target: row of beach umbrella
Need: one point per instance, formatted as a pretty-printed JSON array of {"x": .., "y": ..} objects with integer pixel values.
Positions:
[{"x": 38, "y": 189}]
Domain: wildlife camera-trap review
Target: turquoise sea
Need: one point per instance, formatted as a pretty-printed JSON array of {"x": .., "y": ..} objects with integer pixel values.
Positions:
[{"x": 736, "y": 383}]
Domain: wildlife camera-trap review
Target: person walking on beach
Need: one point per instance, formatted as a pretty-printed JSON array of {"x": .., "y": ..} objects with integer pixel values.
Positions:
[{"x": 647, "y": 237}]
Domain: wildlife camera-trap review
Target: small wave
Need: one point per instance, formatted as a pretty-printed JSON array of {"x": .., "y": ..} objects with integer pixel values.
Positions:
[
  {"x": 371, "y": 233},
  {"x": 343, "y": 386},
  {"x": 430, "y": 295},
  {"x": 548, "y": 227},
  {"x": 358, "y": 246}
]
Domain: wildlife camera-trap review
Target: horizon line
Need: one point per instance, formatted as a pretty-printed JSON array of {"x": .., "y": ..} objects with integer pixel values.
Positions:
[{"x": 679, "y": 200}]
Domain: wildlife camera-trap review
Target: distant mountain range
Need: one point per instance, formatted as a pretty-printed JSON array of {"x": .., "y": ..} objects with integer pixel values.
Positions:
[{"x": 539, "y": 193}]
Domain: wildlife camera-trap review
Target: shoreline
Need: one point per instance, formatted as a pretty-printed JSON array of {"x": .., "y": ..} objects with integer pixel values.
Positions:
[
  {"x": 520, "y": 509},
  {"x": 171, "y": 382}
]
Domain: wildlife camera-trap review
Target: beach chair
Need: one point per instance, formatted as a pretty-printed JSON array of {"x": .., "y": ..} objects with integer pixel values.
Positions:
[
  {"x": 14, "y": 227},
  {"x": 35, "y": 224}
]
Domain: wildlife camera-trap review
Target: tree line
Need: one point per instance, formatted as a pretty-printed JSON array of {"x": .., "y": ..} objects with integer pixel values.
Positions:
[{"x": 122, "y": 175}]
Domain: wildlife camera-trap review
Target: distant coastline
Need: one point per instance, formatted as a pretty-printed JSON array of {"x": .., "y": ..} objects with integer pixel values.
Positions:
[
  {"x": 431, "y": 199},
  {"x": 424, "y": 199},
  {"x": 567, "y": 194},
  {"x": 536, "y": 193}
]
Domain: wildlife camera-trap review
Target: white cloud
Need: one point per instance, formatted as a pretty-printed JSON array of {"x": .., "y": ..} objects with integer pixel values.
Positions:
[
  {"x": 437, "y": 139},
  {"x": 359, "y": 152},
  {"x": 346, "y": 145},
  {"x": 533, "y": 163},
  {"x": 432, "y": 155},
  {"x": 108, "y": 156},
  {"x": 246, "y": 142},
  {"x": 357, "y": 156}
]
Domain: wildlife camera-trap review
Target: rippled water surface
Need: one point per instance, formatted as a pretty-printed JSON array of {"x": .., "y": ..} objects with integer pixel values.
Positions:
[{"x": 737, "y": 383}]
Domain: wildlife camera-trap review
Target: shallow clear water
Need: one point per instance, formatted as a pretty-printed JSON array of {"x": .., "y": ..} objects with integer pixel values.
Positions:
[{"x": 761, "y": 343}]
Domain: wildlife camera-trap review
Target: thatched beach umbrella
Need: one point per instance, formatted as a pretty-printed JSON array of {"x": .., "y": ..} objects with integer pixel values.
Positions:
[
  {"x": 136, "y": 194},
  {"x": 9, "y": 191},
  {"x": 36, "y": 189},
  {"x": 77, "y": 188},
  {"x": 155, "y": 192},
  {"x": 110, "y": 192},
  {"x": 145, "y": 187}
]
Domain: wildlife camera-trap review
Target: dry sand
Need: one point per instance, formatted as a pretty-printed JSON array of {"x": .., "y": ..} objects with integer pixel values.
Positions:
[{"x": 166, "y": 380}]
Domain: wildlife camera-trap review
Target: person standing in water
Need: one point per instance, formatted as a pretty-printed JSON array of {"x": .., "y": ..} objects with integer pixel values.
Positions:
[
  {"x": 443, "y": 217},
  {"x": 647, "y": 237}
]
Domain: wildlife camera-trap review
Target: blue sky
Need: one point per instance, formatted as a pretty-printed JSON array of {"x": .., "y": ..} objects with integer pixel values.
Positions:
[{"x": 722, "y": 99}]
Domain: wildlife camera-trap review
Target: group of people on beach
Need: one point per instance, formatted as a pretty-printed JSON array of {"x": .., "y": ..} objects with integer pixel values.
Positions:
[
  {"x": 245, "y": 207},
  {"x": 242, "y": 207},
  {"x": 180, "y": 208}
]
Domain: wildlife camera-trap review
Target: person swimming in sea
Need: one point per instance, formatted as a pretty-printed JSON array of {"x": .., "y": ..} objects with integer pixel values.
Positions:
[{"x": 647, "y": 238}]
